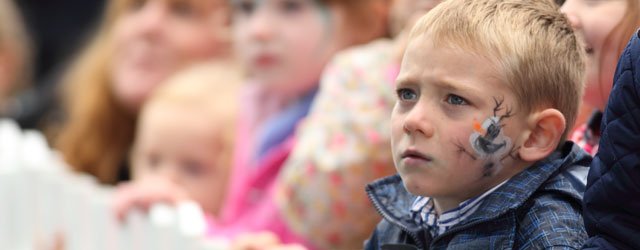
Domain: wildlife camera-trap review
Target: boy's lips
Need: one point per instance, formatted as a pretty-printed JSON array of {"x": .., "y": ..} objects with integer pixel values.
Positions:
[{"x": 412, "y": 156}]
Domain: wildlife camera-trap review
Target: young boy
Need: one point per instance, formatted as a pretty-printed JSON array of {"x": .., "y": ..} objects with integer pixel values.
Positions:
[{"x": 486, "y": 92}]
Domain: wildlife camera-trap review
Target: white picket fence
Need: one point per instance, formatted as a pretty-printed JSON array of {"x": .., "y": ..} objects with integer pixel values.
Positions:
[{"x": 39, "y": 198}]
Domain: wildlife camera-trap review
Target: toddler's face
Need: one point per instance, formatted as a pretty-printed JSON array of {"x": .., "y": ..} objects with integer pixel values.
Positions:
[
  {"x": 182, "y": 145},
  {"x": 155, "y": 38},
  {"x": 594, "y": 20},
  {"x": 456, "y": 126},
  {"x": 285, "y": 43}
]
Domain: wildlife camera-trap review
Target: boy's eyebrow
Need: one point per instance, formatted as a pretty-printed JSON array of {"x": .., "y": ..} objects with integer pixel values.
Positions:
[
  {"x": 446, "y": 84},
  {"x": 441, "y": 83},
  {"x": 407, "y": 80},
  {"x": 402, "y": 81},
  {"x": 463, "y": 86}
]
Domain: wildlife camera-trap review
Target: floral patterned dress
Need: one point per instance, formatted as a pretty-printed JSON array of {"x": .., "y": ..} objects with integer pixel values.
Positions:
[{"x": 343, "y": 144}]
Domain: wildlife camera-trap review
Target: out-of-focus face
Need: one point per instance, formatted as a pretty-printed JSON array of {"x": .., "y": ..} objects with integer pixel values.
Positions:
[
  {"x": 182, "y": 144},
  {"x": 404, "y": 13},
  {"x": 594, "y": 20},
  {"x": 455, "y": 127},
  {"x": 155, "y": 38},
  {"x": 285, "y": 44}
]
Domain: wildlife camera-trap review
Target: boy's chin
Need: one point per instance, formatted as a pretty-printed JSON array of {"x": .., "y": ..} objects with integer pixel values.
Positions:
[{"x": 414, "y": 186}]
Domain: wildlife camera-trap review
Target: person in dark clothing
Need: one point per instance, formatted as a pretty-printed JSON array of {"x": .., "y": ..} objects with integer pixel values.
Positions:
[
  {"x": 486, "y": 94},
  {"x": 612, "y": 199},
  {"x": 58, "y": 28}
]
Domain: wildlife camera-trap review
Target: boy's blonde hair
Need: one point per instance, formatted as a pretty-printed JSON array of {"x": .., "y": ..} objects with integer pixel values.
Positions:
[
  {"x": 529, "y": 41},
  {"x": 209, "y": 88}
]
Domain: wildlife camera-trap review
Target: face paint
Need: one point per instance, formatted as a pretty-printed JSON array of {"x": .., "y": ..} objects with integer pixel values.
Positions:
[{"x": 489, "y": 141}]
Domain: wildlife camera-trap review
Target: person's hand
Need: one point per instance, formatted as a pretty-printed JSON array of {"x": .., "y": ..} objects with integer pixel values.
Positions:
[
  {"x": 262, "y": 241},
  {"x": 142, "y": 194},
  {"x": 55, "y": 242}
]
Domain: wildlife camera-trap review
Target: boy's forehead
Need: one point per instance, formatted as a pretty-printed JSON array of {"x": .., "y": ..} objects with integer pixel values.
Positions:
[
  {"x": 420, "y": 56},
  {"x": 449, "y": 65},
  {"x": 423, "y": 50}
]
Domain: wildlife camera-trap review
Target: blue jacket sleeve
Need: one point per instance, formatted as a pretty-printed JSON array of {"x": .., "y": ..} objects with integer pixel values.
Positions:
[{"x": 612, "y": 198}]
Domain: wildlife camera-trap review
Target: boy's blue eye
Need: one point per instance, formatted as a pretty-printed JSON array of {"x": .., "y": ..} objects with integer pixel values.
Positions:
[
  {"x": 406, "y": 95},
  {"x": 456, "y": 100}
]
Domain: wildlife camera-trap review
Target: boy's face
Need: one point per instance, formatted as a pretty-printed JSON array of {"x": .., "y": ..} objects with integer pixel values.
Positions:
[
  {"x": 456, "y": 125},
  {"x": 285, "y": 43},
  {"x": 182, "y": 145}
]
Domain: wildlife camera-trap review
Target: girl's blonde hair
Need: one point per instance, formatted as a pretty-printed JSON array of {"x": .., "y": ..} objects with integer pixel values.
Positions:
[
  {"x": 98, "y": 132},
  {"x": 15, "y": 42}
]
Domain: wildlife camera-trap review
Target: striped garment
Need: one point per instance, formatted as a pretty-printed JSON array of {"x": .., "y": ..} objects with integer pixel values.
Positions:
[{"x": 423, "y": 211}]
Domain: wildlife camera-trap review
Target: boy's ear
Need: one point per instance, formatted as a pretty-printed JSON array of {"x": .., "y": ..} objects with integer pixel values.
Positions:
[{"x": 547, "y": 127}]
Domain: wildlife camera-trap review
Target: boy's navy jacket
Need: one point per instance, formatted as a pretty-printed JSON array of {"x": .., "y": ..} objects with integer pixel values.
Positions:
[
  {"x": 612, "y": 198},
  {"x": 538, "y": 208}
]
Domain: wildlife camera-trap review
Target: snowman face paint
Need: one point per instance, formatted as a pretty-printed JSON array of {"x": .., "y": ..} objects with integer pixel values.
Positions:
[{"x": 489, "y": 142}]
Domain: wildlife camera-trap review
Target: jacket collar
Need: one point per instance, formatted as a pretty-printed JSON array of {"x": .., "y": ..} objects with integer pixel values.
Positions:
[{"x": 393, "y": 202}]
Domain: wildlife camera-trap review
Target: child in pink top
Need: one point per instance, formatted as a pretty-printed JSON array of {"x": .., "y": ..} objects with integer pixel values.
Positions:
[{"x": 285, "y": 46}]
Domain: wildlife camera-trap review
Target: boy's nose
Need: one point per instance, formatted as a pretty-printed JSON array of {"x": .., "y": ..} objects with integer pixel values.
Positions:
[{"x": 418, "y": 121}]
